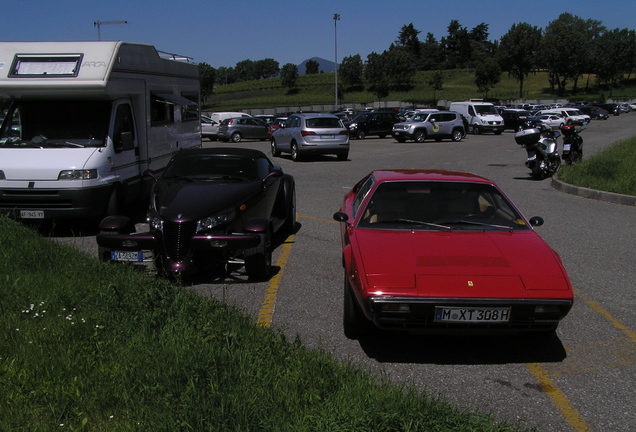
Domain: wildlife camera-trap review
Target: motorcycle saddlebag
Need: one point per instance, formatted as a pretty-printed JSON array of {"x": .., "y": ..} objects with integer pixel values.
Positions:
[{"x": 528, "y": 136}]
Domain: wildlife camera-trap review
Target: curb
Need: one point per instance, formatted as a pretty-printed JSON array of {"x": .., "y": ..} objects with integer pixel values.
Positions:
[{"x": 594, "y": 194}]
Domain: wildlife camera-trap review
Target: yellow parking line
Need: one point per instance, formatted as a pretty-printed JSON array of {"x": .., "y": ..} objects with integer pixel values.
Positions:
[
  {"x": 609, "y": 317},
  {"x": 558, "y": 398},
  {"x": 267, "y": 308}
]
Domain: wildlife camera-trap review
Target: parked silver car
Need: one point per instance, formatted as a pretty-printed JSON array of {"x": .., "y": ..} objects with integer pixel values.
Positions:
[
  {"x": 209, "y": 128},
  {"x": 311, "y": 134},
  {"x": 434, "y": 125},
  {"x": 239, "y": 128}
]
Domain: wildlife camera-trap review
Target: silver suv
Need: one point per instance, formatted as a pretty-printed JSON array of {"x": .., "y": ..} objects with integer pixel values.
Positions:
[
  {"x": 435, "y": 125},
  {"x": 311, "y": 134}
]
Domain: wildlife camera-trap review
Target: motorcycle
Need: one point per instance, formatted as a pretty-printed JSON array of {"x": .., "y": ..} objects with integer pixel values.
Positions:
[
  {"x": 540, "y": 143},
  {"x": 572, "y": 144}
]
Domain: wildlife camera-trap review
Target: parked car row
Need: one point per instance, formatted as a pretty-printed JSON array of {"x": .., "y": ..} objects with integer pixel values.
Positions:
[{"x": 218, "y": 209}]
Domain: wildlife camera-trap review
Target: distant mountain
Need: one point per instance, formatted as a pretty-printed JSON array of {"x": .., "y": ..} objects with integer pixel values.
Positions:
[{"x": 323, "y": 65}]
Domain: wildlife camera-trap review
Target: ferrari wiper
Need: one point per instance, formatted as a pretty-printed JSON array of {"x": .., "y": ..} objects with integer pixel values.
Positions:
[
  {"x": 429, "y": 224},
  {"x": 469, "y": 222}
]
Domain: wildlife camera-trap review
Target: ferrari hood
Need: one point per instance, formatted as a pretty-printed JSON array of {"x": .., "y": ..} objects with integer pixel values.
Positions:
[
  {"x": 437, "y": 261},
  {"x": 182, "y": 200}
]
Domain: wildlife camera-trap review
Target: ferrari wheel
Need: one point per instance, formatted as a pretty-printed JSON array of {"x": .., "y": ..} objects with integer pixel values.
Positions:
[{"x": 354, "y": 322}]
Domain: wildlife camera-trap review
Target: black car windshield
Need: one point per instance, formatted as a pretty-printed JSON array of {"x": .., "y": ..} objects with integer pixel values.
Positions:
[
  {"x": 212, "y": 167},
  {"x": 56, "y": 123},
  {"x": 430, "y": 205}
]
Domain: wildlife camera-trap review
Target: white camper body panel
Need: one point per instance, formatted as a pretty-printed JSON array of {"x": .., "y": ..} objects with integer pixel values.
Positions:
[{"x": 87, "y": 119}]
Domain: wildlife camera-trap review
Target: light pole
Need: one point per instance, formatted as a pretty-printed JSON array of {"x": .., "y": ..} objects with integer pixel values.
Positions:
[{"x": 336, "y": 18}]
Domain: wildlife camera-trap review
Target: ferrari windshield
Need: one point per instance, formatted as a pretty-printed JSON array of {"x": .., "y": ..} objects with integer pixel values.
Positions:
[
  {"x": 56, "y": 123},
  {"x": 444, "y": 206},
  {"x": 212, "y": 167}
]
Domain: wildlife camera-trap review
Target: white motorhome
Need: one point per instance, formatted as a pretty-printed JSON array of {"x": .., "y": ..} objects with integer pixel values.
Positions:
[
  {"x": 86, "y": 120},
  {"x": 481, "y": 116}
]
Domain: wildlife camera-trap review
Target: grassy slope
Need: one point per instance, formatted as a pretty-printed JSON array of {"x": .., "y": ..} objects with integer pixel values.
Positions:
[
  {"x": 458, "y": 85},
  {"x": 97, "y": 347}
]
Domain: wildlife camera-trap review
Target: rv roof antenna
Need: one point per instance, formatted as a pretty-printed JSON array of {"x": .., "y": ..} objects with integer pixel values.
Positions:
[{"x": 101, "y": 23}]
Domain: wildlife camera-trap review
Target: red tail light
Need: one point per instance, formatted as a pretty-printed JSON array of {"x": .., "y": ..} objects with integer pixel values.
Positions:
[
  {"x": 229, "y": 122},
  {"x": 343, "y": 132},
  {"x": 305, "y": 133}
]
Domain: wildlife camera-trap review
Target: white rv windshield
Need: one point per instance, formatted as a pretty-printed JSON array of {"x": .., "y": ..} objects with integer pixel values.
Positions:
[{"x": 56, "y": 123}]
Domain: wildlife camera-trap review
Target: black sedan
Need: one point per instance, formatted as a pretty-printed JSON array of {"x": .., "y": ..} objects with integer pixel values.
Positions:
[{"x": 209, "y": 208}]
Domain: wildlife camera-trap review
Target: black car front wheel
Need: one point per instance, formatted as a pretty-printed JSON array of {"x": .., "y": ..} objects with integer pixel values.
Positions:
[{"x": 258, "y": 265}]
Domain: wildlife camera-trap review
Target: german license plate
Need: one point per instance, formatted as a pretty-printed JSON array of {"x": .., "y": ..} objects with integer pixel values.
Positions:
[
  {"x": 472, "y": 315},
  {"x": 328, "y": 136},
  {"x": 31, "y": 214},
  {"x": 126, "y": 256}
]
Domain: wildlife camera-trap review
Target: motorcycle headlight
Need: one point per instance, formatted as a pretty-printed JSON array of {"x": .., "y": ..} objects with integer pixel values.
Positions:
[{"x": 215, "y": 220}]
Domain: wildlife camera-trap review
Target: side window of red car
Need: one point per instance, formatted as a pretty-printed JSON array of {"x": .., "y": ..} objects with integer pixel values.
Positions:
[{"x": 362, "y": 193}]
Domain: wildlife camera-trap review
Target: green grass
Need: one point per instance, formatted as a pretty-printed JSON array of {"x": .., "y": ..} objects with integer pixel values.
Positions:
[
  {"x": 612, "y": 170},
  {"x": 96, "y": 347},
  {"x": 318, "y": 89}
]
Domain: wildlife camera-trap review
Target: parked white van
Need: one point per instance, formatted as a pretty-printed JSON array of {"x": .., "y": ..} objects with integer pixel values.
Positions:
[
  {"x": 86, "y": 120},
  {"x": 481, "y": 116}
]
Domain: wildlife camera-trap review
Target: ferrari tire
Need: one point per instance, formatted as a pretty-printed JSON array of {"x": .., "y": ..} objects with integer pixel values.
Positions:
[{"x": 354, "y": 323}]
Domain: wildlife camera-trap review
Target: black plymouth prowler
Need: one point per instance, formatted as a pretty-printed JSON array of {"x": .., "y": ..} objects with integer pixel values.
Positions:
[{"x": 210, "y": 207}]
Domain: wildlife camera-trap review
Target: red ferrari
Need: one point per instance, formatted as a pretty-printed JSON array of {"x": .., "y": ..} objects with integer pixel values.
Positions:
[{"x": 441, "y": 251}]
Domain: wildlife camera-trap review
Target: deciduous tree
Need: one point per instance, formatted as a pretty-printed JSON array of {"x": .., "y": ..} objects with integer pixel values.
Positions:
[{"x": 517, "y": 51}]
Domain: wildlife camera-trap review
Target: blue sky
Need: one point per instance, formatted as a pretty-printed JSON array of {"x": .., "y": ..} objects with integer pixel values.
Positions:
[{"x": 222, "y": 33}]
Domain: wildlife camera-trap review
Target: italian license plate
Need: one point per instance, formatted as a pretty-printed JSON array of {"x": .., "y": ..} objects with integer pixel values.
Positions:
[
  {"x": 126, "y": 256},
  {"x": 566, "y": 147},
  {"x": 328, "y": 136},
  {"x": 31, "y": 214},
  {"x": 472, "y": 315}
]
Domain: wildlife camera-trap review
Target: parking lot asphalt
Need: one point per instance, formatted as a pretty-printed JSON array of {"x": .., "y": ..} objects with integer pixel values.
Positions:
[{"x": 583, "y": 379}]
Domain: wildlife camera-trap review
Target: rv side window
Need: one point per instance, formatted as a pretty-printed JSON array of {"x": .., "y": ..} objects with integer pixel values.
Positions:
[
  {"x": 161, "y": 111},
  {"x": 190, "y": 112},
  {"x": 124, "y": 133}
]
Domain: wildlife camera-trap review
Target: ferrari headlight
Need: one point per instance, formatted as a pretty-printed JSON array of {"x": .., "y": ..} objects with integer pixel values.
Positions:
[
  {"x": 89, "y": 174},
  {"x": 215, "y": 220}
]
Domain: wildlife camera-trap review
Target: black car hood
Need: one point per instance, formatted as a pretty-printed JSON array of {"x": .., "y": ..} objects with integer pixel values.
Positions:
[{"x": 179, "y": 200}]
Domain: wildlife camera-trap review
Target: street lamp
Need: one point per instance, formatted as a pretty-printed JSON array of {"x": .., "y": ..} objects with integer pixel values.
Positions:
[{"x": 336, "y": 18}]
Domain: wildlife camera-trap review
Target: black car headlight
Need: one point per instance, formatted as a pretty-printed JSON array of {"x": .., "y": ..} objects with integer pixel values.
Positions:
[
  {"x": 353, "y": 126},
  {"x": 155, "y": 222},
  {"x": 215, "y": 220}
]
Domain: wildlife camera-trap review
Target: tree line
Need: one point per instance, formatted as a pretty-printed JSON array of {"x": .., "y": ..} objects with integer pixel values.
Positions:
[{"x": 568, "y": 48}]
